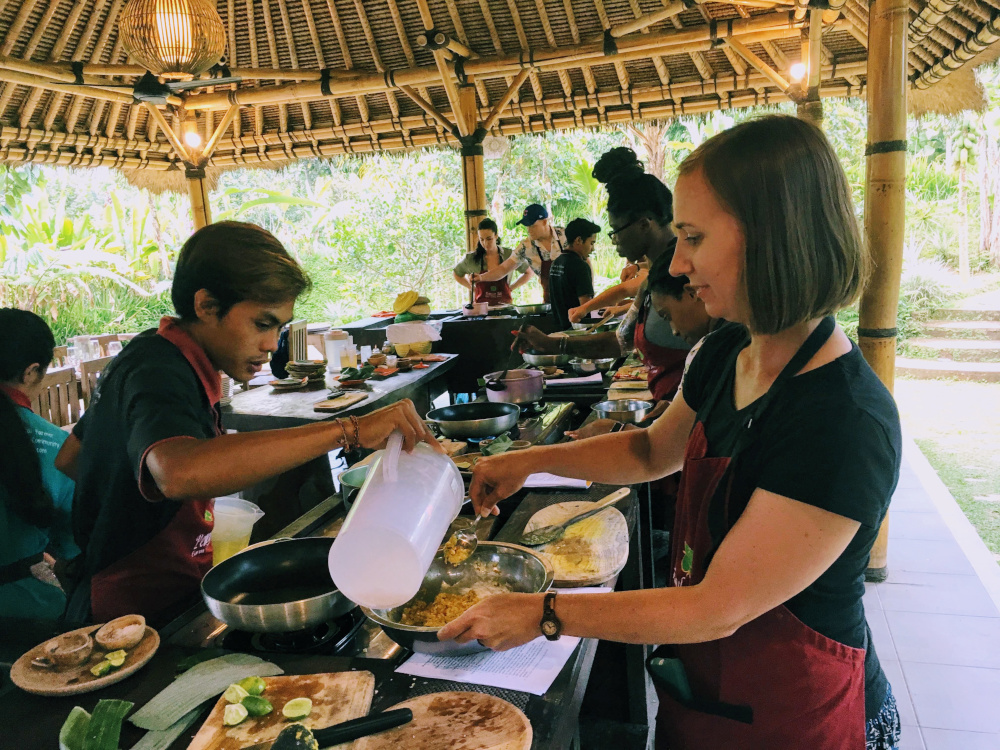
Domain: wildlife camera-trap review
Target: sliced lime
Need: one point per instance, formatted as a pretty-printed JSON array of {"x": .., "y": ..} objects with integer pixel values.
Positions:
[
  {"x": 253, "y": 685},
  {"x": 297, "y": 708},
  {"x": 235, "y": 693},
  {"x": 234, "y": 714},
  {"x": 117, "y": 658},
  {"x": 101, "y": 669},
  {"x": 257, "y": 706}
]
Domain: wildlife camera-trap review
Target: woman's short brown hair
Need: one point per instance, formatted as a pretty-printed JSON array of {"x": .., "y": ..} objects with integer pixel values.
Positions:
[
  {"x": 235, "y": 262},
  {"x": 779, "y": 177}
]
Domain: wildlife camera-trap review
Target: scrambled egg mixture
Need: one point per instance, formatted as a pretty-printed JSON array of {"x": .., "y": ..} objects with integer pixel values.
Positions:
[
  {"x": 441, "y": 611},
  {"x": 573, "y": 555}
]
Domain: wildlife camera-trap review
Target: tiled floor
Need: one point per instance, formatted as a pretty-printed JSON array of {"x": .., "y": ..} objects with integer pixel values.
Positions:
[{"x": 935, "y": 621}]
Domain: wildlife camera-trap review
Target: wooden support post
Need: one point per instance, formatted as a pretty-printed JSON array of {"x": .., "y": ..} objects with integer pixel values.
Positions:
[
  {"x": 473, "y": 174},
  {"x": 811, "y": 106},
  {"x": 885, "y": 205},
  {"x": 198, "y": 191}
]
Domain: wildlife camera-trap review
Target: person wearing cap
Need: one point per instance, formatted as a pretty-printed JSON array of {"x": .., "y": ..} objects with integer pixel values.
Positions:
[
  {"x": 539, "y": 249},
  {"x": 571, "y": 281}
]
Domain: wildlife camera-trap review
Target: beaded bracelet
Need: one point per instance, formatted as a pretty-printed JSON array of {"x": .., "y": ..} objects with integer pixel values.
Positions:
[
  {"x": 357, "y": 431},
  {"x": 347, "y": 440}
]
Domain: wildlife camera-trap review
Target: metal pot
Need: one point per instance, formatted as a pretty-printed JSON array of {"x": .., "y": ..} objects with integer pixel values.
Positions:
[
  {"x": 545, "y": 360},
  {"x": 508, "y": 566},
  {"x": 275, "y": 587},
  {"x": 350, "y": 483},
  {"x": 520, "y": 387},
  {"x": 627, "y": 410},
  {"x": 605, "y": 363},
  {"x": 540, "y": 309},
  {"x": 475, "y": 420}
]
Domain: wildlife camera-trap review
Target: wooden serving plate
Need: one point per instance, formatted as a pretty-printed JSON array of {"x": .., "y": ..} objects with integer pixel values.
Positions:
[
  {"x": 590, "y": 552},
  {"x": 59, "y": 681},
  {"x": 470, "y": 721}
]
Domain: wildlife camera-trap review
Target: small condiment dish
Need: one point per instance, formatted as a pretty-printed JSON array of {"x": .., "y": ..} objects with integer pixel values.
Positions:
[
  {"x": 121, "y": 633},
  {"x": 69, "y": 650}
]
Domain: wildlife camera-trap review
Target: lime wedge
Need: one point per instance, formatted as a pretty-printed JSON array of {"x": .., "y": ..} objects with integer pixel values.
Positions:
[
  {"x": 253, "y": 685},
  {"x": 99, "y": 670},
  {"x": 257, "y": 706},
  {"x": 297, "y": 708},
  {"x": 234, "y": 714},
  {"x": 117, "y": 658},
  {"x": 235, "y": 693}
]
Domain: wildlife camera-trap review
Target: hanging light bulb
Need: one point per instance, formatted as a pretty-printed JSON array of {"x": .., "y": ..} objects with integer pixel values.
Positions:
[
  {"x": 173, "y": 38},
  {"x": 192, "y": 139},
  {"x": 798, "y": 71}
]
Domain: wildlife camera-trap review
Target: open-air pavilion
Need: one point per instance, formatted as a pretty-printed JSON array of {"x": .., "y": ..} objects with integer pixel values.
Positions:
[{"x": 85, "y": 83}]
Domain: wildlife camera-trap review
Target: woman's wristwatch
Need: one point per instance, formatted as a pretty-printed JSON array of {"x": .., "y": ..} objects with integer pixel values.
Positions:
[{"x": 551, "y": 625}]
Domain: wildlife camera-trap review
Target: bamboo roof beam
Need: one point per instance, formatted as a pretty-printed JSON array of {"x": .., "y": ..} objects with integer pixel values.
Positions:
[
  {"x": 28, "y": 110},
  {"x": 642, "y": 24},
  {"x": 522, "y": 39},
  {"x": 602, "y": 13},
  {"x": 550, "y": 36},
  {"x": 442, "y": 121},
  {"x": 484, "y": 7},
  {"x": 258, "y": 115},
  {"x": 345, "y": 53},
  {"x": 272, "y": 48},
  {"x": 97, "y": 110},
  {"x": 447, "y": 74},
  {"x": 460, "y": 46},
  {"x": 815, "y": 51},
  {"x": 974, "y": 10},
  {"x": 318, "y": 49},
  {"x": 220, "y": 130},
  {"x": 16, "y": 26},
  {"x": 502, "y": 103},
  {"x": 975, "y": 44},
  {"x": 588, "y": 75},
  {"x": 32, "y": 45},
  {"x": 168, "y": 131},
  {"x": 770, "y": 73},
  {"x": 404, "y": 42},
  {"x": 89, "y": 92},
  {"x": 366, "y": 27},
  {"x": 233, "y": 57}
]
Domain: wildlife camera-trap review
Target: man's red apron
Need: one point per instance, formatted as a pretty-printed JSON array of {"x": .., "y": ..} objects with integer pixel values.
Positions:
[
  {"x": 170, "y": 566},
  {"x": 493, "y": 292},
  {"x": 774, "y": 683},
  {"x": 666, "y": 365}
]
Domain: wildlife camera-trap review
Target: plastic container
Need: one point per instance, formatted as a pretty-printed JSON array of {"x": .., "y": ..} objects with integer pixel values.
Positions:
[
  {"x": 395, "y": 525},
  {"x": 234, "y": 520},
  {"x": 333, "y": 342}
]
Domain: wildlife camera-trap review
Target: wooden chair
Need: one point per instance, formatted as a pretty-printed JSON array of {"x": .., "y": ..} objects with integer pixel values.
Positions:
[
  {"x": 58, "y": 356},
  {"x": 125, "y": 337},
  {"x": 59, "y": 401},
  {"x": 298, "y": 348},
  {"x": 90, "y": 374},
  {"x": 105, "y": 340}
]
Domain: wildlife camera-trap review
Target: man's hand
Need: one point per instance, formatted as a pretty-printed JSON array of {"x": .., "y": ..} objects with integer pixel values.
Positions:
[
  {"x": 376, "y": 427},
  {"x": 630, "y": 271},
  {"x": 495, "y": 478},
  {"x": 500, "y": 622},
  {"x": 538, "y": 341}
]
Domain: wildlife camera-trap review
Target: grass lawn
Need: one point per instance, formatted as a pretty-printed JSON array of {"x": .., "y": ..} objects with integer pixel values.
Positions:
[{"x": 957, "y": 426}]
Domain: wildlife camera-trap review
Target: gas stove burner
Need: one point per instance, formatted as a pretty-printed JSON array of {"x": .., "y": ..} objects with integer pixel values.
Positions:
[
  {"x": 534, "y": 409},
  {"x": 514, "y": 433},
  {"x": 331, "y": 637}
]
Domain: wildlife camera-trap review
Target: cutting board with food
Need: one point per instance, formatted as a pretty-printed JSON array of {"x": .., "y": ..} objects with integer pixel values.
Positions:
[
  {"x": 471, "y": 721},
  {"x": 340, "y": 402},
  {"x": 86, "y": 659},
  {"x": 632, "y": 372},
  {"x": 334, "y": 697},
  {"x": 589, "y": 552}
]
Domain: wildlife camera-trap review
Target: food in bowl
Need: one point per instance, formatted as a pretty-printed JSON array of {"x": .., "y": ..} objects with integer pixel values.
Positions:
[
  {"x": 122, "y": 633},
  {"x": 438, "y": 613},
  {"x": 69, "y": 650}
]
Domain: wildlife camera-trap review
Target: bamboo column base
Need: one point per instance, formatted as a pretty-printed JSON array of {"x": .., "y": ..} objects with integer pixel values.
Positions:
[
  {"x": 811, "y": 110},
  {"x": 198, "y": 192}
]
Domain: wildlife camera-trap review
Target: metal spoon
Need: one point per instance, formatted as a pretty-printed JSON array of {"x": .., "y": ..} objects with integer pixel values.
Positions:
[
  {"x": 548, "y": 534},
  {"x": 462, "y": 542}
]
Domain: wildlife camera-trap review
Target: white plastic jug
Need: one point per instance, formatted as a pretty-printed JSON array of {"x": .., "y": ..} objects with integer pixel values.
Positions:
[{"x": 396, "y": 524}]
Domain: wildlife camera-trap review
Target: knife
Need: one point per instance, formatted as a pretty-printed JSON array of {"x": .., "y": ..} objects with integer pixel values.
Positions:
[{"x": 353, "y": 729}]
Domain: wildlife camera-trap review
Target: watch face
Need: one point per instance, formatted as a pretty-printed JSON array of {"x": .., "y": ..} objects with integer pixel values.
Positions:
[{"x": 549, "y": 628}]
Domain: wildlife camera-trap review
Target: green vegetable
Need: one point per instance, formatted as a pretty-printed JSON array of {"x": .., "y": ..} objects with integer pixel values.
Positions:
[
  {"x": 101, "y": 669},
  {"x": 198, "y": 657},
  {"x": 297, "y": 708},
  {"x": 234, "y": 714},
  {"x": 105, "y": 725},
  {"x": 408, "y": 317},
  {"x": 353, "y": 373},
  {"x": 257, "y": 706},
  {"x": 295, "y": 737},
  {"x": 199, "y": 684},
  {"x": 499, "y": 445},
  {"x": 162, "y": 739},
  {"x": 117, "y": 658},
  {"x": 74, "y": 730},
  {"x": 235, "y": 694},
  {"x": 253, "y": 685}
]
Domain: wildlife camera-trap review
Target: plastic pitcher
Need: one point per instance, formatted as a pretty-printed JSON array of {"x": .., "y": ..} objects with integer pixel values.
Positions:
[
  {"x": 395, "y": 526},
  {"x": 234, "y": 520}
]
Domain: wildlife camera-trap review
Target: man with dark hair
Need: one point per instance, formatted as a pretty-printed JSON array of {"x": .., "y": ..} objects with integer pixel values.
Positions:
[
  {"x": 150, "y": 454},
  {"x": 571, "y": 281}
]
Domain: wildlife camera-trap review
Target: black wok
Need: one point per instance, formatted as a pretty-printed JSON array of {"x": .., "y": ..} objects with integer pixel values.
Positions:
[
  {"x": 475, "y": 420},
  {"x": 275, "y": 587}
]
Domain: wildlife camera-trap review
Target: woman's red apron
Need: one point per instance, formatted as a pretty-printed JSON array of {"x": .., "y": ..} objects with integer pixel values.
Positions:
[
  {"x": 774, "y": 683},
  {"x": 493, "y": 292}
]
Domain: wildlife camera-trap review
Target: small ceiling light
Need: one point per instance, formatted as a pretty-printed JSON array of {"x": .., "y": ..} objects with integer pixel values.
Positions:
[
  {"x": 192, "y": 139},
  {"x": 177, "y": 39},
  {"x": 797, "y": 71}
]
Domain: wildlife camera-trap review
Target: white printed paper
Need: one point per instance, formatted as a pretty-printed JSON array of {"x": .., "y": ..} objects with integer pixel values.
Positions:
[
  {"x": 531, "y": 668},
  {"x": 552, "y": 481}
]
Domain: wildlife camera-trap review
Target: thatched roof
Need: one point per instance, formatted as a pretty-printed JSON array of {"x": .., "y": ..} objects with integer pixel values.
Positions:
[{"x": 384, "y": 90}]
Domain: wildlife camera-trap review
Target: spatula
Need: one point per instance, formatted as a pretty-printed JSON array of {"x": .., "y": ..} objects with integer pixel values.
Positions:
[
  {"x": 549, "y": 534},
  {"x": 497, "y": 383}
]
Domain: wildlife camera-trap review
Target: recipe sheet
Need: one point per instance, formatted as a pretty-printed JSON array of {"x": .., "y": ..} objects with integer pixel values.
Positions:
[{"x": 531, "y": 668}]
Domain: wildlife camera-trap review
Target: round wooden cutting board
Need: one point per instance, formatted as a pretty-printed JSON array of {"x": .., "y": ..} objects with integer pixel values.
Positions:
[
  {"x": 76, "y": 680},
  {"x": 456, "y": 721},
  {"x": 591, "y": 551}
]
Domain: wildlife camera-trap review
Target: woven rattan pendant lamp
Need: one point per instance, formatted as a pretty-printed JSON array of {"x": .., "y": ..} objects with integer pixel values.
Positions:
[{"x": 177, "y": 39}]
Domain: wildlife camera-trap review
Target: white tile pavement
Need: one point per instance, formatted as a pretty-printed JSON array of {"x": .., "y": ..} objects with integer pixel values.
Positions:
[{"x": 936, "y": 620}]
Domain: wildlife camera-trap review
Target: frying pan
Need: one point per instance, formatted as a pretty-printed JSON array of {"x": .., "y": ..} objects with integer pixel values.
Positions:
[
  {"x": 275, "y": 587},
  {"x": 478, "y": 419}
]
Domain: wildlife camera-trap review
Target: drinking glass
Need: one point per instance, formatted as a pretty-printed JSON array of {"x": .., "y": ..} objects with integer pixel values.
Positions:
[
  {"x": 114, "y": 348},
  {"x": 72, "y": 356}
]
